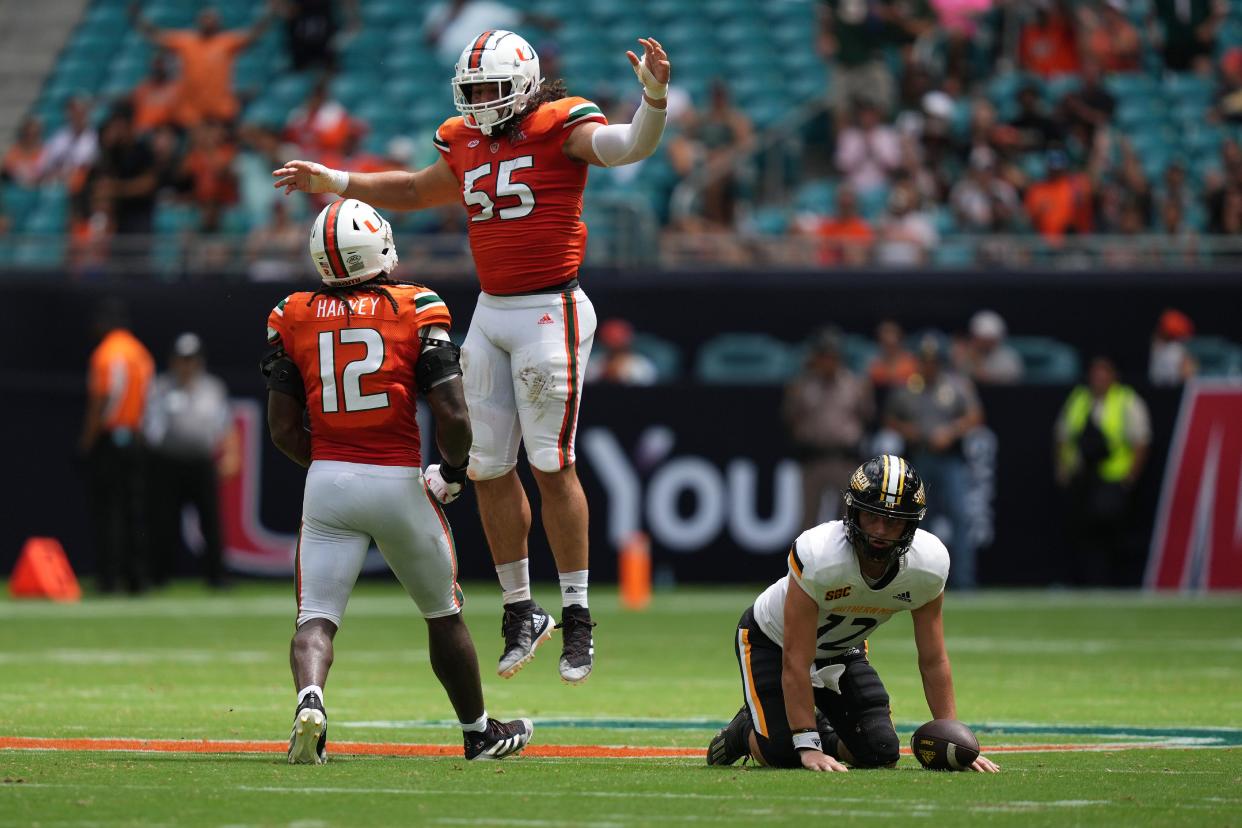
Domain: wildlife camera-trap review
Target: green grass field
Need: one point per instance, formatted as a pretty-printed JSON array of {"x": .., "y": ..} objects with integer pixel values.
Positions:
[{"x": 1161, "y": 676}]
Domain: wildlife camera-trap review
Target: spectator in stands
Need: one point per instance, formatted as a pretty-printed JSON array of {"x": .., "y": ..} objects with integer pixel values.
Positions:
[
  {"x": 125, "y": 174},
  {"x": 852, "y": 37},
  {"x": 1102, "y": 435},
  {"x": 1048, "y": 44},
  {"x": 981, "y": 201},
  {"x": 312, "y": 27},
  {"x": 189, "y": 423},
  {"x": 207, "y": 54},
  {"x": 273, "y": 246},
  {"x": 72, "y": 149},
  {"x": 320, "y": 125},
  {"x": 1229, "y": 99},
  {"x": 1219, "y": 187},
  {"x": 111, "y": 442},
  {"x": 959, "y": 22},
  {"x": 986, "y": 358},
  {"x": 1057, "y": 204},
  {"x": 869, "y": 151},
  {"x": 23, "y": 162},
  {"x": 714, "y": 140},
  {"x": 616, "y": 361},
  {"x": 450, "y": 24},
  {"x": 1180, "y": 243},
  {"x": 845, "y": 237},
  {"x": 260, "y": 148},
  {"x": 209, "y": 166},
  {"x": 893, "y": 365},
  {"x": 1187, "y": 32},
  {"x": 166, "y": 154},
  {"x": 155, "y": 99},
  {"x": 1132, "y": 179},
  {"x": 1088, "y": 110},
  {"x": 1036, "y": 130},
  {"x": 907, "y": 235},
  {"x": 1228, "y": 220},
  {"x": 1128, "y": 248},
  {"x": 826, "y": 409},
  {"x": 932, "y": 413},
  {"x": 1110, "y": 40},
  {"x": 1171, "y": 362}
]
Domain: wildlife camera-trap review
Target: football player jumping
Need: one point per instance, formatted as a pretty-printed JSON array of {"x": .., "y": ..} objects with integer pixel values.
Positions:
[
  {"x": 353, "y": 356},
  {"x": 517, "y": 159},
  {"x": 811, "y": 697}
]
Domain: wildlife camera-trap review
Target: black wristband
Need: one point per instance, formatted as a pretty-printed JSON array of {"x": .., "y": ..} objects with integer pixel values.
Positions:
[{"x": 453, "y": 474}]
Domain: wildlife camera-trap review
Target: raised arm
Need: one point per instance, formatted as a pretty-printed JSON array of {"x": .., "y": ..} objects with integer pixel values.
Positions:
[
  {"x": 145, "y": 27},
  {"x": 613, "y": 145},
  {"x": 431, "y": 186}
]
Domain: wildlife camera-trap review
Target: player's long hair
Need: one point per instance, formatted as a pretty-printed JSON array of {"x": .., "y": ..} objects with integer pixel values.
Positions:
[
  {"x": 374, "y": 285},
  {"x": 549, "y": 91}
]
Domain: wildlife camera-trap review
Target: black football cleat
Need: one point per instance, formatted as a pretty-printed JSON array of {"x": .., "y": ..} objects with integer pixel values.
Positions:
[
  {"x": 525, "y": 626},
  {"x": 577, "y": 644},
  {"x": 731, "y": 743},
  {"x": 501, "y": 739},
  {"x": 308, "y": 741}
]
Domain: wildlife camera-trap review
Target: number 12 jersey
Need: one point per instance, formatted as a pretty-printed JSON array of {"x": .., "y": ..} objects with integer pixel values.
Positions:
[{"x": 358, "y": 369}]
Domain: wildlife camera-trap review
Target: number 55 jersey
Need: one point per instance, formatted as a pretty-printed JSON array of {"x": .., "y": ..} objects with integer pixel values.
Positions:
[
  {"x": 823, "y": 563},
  {"x": 524, "y": 196},
  {"x": 356, "y": 355}
]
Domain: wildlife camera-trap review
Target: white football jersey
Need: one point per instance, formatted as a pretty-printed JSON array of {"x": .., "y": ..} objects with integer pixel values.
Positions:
[{"x": 823, "y": 563}]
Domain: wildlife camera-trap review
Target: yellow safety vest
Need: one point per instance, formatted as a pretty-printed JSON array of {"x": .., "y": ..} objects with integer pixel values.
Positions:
[{"x": 1116, "y": 466}]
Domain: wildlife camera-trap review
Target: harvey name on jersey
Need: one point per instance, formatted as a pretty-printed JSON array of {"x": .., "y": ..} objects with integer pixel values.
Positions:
[{"x": 823, "y": 563}]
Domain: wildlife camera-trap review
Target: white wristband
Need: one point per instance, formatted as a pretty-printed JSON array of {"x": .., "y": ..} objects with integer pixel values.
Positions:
[
  {"x": 808, "y": 740},
  {"x": 652, "y": 88},
  {"x": 338, "y": 180}
]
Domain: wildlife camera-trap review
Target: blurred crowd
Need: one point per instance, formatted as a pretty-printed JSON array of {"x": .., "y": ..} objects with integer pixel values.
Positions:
[
  {"x": 1045, "y": 118},
  {"x": 1048, "y": 118}
]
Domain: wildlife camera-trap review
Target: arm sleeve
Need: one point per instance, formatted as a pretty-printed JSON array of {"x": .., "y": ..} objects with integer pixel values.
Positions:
[{"x": 617, "y": 144}]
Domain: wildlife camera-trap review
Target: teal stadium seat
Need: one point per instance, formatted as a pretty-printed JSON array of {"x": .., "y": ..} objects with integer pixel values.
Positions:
[
  {"x": 817, "y": 196},
  {"x": 743, "y": 359},
  {"x": 1046, "y": 361},
  {"x": 664, "y": 355},
  {"x": 1217, "y": 357},
  {"x": 1130, "y": 86}
]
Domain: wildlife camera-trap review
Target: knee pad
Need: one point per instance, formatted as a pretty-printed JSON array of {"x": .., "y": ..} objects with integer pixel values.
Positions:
[
  {"x": 488, "y": 469},
  {"x": 874, "y": 742},
  {"x": 777, "y": 755}
]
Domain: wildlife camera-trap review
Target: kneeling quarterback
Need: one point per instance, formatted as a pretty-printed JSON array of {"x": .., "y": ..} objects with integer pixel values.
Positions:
[
  {"x": 353, "y": 357},
  {"x": 812, "y": 699}
]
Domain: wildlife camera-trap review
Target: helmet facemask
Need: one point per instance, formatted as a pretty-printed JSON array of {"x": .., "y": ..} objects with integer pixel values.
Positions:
[
  {"x": 865, "y": 544},
  {"x": 488, "y": 116}
]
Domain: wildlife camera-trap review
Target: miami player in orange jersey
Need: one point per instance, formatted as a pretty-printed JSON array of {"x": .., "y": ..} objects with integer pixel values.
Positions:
[
  {"x": 517, "y": 159},
  {"x": 353, "y": 356}
]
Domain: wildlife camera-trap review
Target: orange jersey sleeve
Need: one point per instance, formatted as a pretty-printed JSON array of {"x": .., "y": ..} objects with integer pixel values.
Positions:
[
  {"x": 356, "y": 355},
  {"x": 524, "y": 196}
]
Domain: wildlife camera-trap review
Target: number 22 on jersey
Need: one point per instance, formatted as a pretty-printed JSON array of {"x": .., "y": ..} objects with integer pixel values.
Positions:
[
  {"x": 473, "y": 192},
  {"x": 351, "y": 372}
]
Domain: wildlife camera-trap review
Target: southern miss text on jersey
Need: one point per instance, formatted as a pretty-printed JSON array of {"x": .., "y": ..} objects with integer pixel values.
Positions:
[
  {"x": 524, "y": 196},
  {"x": 823, "y": 563},
  {"x": 358, "y": 369}
]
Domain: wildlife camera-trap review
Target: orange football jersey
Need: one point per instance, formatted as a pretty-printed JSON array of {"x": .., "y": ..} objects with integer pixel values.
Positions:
[
  {"x": 358, "y": 369},
  {"x": 524, "y": 196}
]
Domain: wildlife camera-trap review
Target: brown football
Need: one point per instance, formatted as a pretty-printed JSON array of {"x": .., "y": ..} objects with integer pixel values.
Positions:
[{"x": 944, "y": 744}]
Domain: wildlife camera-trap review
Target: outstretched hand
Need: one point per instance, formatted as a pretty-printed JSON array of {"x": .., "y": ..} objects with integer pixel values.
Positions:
[
  {"x": 984, "y": 765},
  {"x": 307, "y": 176},
  {"x": 654, "y": 65}
]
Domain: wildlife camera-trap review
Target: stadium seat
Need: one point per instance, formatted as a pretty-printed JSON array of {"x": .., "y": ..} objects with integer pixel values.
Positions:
[
  {"x": 1046, "y": 361},
  {"x": 743, "y": 359},
  {"x": 817, "y": 196},
  {"x": 1217, "y": 357},
  {"x": 1130, "y": 86},
  {"x": 665, "y": 355}
]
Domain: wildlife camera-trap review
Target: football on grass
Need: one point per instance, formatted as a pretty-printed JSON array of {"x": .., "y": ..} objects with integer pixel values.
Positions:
[{"x": 944, "y": 744}]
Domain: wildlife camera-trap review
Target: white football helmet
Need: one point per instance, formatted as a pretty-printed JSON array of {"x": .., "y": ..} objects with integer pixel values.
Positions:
[
  {"x": 350, "y": 243},
  {"x": 502, "y": 58}
]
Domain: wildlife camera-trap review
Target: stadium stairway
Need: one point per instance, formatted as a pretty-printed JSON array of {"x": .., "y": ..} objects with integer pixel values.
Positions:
[{"x": 31, "y": 37}]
